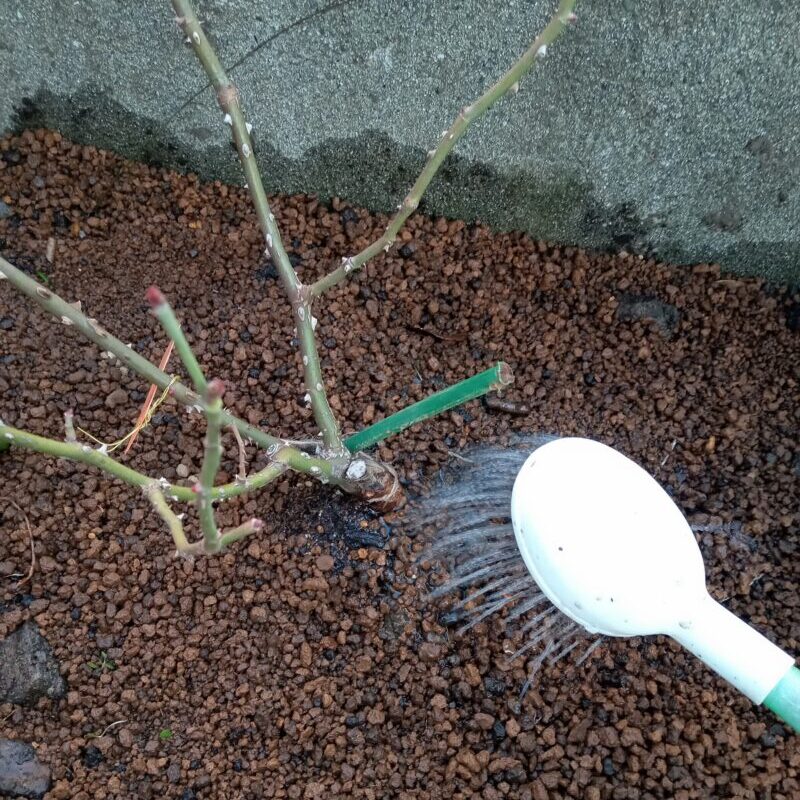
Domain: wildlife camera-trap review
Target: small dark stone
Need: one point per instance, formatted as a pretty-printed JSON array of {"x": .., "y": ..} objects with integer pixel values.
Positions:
[
  {"x": 11, "y": 157},
  {"x": 188, "y": 794},
  {"x": 349, "y": 215},
  {"x": 352, "y": 721},
  {"x": 6, "y": 323},
  {"x": 608, "y": 767},
  {"x": 267, "y": 273},
  {"x": 638, "y": 307},
  {"x": 237, "y": 765},
  {"x": 610, "y": 679},
  {"x": 195, "y": 763},
  {"x": 589, "y": 379},
  {"x": 494, "y": 686},
  {"x": 330, "y": 343},
  {"x": 328, "y": 654},
  {"x": 21, "y": 773},
  {"x": 364, "y": 537},
  {"x": 245, "y": 336},
  {"x": 75, "y": 614},
  {"x": 91, "y": 756},
  {"x": 254, "y": 372},
  {"x": 193, "y": 253},
  {"x": 28, "y": 669},
  {"x": 498, "y": 730},
  {"x": 406, "y": 251}
]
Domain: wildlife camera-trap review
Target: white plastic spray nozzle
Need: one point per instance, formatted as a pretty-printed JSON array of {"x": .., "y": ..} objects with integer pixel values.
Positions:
[{"x": 610, "y": 549}]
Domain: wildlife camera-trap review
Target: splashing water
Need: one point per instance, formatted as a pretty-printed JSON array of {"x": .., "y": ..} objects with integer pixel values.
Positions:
[{"x": 468, "y": 525}]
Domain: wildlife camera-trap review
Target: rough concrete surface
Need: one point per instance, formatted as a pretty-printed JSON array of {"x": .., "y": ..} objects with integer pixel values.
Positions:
[{"x": 665, "y": 128}]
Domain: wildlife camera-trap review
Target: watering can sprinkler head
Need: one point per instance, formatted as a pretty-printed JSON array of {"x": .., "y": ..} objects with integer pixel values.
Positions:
[{"x": 611, "y": 550}]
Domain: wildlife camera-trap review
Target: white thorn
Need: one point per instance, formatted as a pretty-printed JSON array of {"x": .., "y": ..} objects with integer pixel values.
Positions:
[
  {"x": 269, "y": 241},
  {"x": 196, "y": 37},
  {"x": 227, "y": 119},
  {"x": 245, "y": 150},
  {"x": 248, "y": 127}
]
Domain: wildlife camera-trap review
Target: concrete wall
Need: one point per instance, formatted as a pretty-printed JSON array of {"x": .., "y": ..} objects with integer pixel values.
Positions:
[{"x": 665, "y": 126}]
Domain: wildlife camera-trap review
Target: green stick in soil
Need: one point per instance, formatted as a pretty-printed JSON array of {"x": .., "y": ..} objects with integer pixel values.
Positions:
[
  {"x": 494, "y": 379},
  {"x": 509, "y": 82}
]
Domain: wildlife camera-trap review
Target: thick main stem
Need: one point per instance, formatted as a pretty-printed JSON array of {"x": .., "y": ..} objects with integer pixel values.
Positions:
[
  {"x": 436, "y": 157},
  {"x": 299, "y": 295},
  {"x": 212, "y": 458}
]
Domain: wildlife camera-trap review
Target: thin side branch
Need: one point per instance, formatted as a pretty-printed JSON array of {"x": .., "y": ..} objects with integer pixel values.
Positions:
[
  {"x": 299, "y": 295},
  {"x": 154, "y": 494},
  {"x": 23, "y": 579},
  {"x": 237, "y": 534},
  {"x": 241, "y": 475},
  {"x": 84, "y": 454},
  {"x": 172, "y": 327},
  {"x": 450, "y": 137}
]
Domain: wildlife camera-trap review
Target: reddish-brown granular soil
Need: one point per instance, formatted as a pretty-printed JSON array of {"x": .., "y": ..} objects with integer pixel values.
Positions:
[{"x": 305, "y": 663}]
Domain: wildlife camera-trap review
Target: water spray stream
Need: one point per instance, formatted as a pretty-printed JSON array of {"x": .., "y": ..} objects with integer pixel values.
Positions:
[{"x": 575, "y": 524}]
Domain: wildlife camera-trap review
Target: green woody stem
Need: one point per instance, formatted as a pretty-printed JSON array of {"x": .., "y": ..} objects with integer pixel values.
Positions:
[
  {"x": 212, "y": 457},
  {"x": 436, "y": 157},
  {"x": 174, "y": 524},
  {"x": 299, "y": 295},
  {"x": 84, "y": 454}
]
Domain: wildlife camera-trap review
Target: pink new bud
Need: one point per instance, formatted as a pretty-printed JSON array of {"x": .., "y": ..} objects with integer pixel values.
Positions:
[
  {"x": 154, "y": 297},
  {"x": 216, "y": 388}
]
